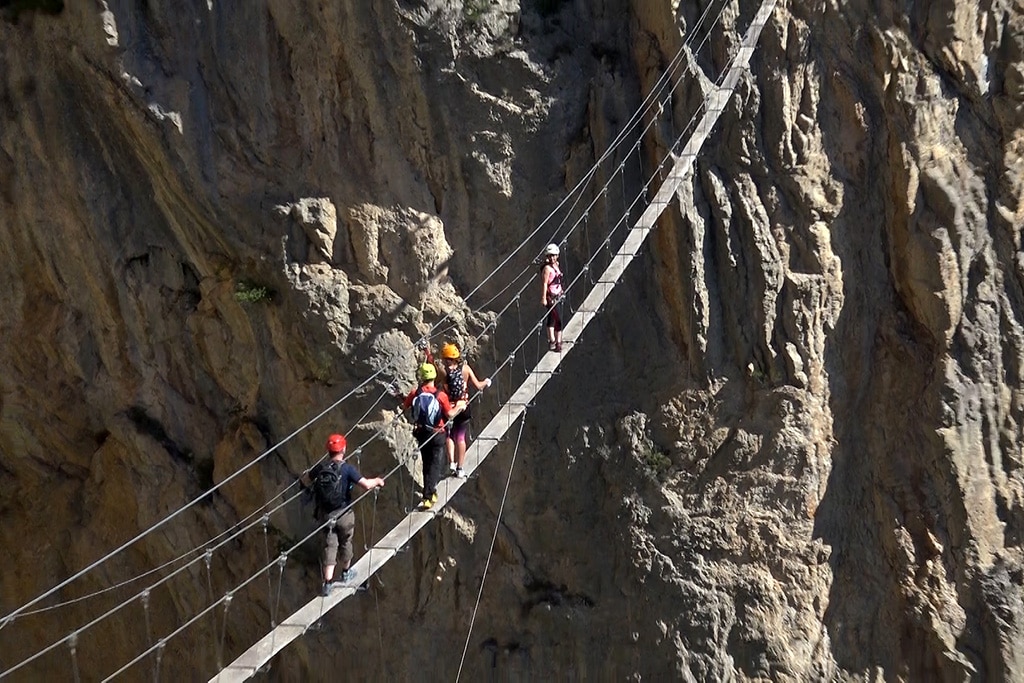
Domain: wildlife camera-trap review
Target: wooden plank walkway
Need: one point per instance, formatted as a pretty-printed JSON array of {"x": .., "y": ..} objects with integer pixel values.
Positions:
[{"x": 250, "y": 661}]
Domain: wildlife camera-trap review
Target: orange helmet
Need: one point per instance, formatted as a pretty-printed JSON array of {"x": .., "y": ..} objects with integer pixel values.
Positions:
[
  {"x": 335, "y": 443},
  {"x": 450, "y": 352}
]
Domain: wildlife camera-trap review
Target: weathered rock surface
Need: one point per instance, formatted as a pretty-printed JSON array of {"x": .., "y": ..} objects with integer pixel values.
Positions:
[{"x": 792, "y": 447}]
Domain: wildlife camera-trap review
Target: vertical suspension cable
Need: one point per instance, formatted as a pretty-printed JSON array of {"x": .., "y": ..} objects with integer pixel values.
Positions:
[
  {"x": 445, "y": 481},
  {"x": 373, "y": 523},
  {"x": 208, "y": 561},
  {"x": 519, "y": 316},
  {"x": 73, "y": 649},
  {"x": 362, "y": 522},
  {"x": 586, "y": 241},
  {"x": 640, "y": 176},
  {"x": 410, "y": 456},
  {"x": 490, "y": 551},
  {"x": 145, "y": 608},
  {"x": 539, "y": 335},
  {"x": 282, "y": 560},
  {"x": 224, "y": 629},
  {"x": 380, "y": 639},
  {"x": 565, "y": 300},
  {"x": 494, "y": 361},
  {"x": 660, "y": 167},
  {"x": 145, "y": 597},
  {"x": 265, "y": 523},
  {"x": 522, "y": 356},
  {"x": 704, "y": 14},
  {"x": 161, "y": 645},
  {"x": 511, "y": 384}
]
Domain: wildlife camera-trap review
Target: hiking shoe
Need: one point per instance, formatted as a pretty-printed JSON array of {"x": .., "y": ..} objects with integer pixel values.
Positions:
[
  {"x": 426, "y": 504},
  {"x": 328, "y": 586},
  {"x": 461, "y": 473},
  {"x": 433, "y": 497},
  {"x": 552, "y": 346},
  {"x": 348, "y": 575},
  {"x": 451, "y": 468}
]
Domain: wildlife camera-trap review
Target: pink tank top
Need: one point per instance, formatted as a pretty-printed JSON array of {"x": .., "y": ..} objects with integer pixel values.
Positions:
[{"x": 555, "y": 283}]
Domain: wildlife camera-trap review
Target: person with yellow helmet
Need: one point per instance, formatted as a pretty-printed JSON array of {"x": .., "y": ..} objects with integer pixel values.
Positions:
[
  {"x": 430, "y": 408},
  {"x": 458, "y": 376},
  {"x": 551, "y": 296}
]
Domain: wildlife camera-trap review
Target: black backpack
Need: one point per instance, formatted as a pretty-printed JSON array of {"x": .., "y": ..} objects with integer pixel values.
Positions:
[
  {"x": 328, "y": 487},
  {"x": 456, "y": 383}
]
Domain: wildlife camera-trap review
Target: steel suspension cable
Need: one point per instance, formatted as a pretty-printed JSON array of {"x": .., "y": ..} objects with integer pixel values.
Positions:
[
  {"x": 490, "y": 550},
  {"x": 154, "y": 527},
  {"x": 664, "y": 78}
]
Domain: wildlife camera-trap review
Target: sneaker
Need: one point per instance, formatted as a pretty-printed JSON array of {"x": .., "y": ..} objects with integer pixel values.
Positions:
[
  {"x": 461, "y": 473},
  {"x": 558, "y": 347},
  {"x": 328, "y": 586},
  {"x": 348, "y": 575},
  {"x": 426, "y": 504},
  {"x": 451, "y": 468},
  {"x": 552, "y": 346},
  {"x": 433, "y": 497}
]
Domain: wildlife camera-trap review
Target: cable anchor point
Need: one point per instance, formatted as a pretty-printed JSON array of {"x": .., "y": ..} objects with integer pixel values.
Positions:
[{"x": 160, "y": 646}]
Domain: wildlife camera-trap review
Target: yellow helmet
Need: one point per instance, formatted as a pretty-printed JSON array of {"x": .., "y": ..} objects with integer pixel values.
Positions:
[
  {"x": 450, "y": 352},
  {"x": 426, "y": 372}
]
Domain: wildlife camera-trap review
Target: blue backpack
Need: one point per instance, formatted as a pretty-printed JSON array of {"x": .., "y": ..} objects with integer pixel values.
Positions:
[{"x": 426, "y": 411}]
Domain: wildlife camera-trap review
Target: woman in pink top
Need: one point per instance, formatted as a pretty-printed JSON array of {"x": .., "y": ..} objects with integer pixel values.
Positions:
[{"x": 551, "y": 296}]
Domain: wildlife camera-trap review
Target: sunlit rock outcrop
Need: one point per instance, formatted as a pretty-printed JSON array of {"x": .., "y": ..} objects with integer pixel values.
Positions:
[{"x": 790, "y": 448}]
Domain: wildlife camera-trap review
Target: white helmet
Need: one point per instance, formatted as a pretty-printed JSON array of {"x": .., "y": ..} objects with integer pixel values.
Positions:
[{"x": 551, "y": 250}]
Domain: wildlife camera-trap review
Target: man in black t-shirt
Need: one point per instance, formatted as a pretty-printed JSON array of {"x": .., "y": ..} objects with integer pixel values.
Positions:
[{"x": 335, "y": 502}]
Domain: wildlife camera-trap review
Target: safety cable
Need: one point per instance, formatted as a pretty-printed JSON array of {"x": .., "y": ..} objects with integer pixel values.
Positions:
[
  {"x": 199, "y": 548},
  {"x": 315, "y": 531},
  {"x": 663, "y": 79},
  {"x": 140, "y": 595},
  {"x": 605, "y": 243},
  {"x": 227, "y": 596},
  {"x": 349, "y": 394},
  {"x": 185, "y": 507},
  {"x": 165, "y": 579},
  {"x": 581, "y": 272},
  {"x": 490, "y": 550},
  {"x": 508, "y": 361}
]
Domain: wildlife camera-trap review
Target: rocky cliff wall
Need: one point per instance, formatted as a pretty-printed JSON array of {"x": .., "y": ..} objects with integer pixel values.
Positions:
[{"x": 795, "y": 444}]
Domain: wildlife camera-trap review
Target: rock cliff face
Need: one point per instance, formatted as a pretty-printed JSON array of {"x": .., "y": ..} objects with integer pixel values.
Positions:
[{"x": 792, "y": 447}]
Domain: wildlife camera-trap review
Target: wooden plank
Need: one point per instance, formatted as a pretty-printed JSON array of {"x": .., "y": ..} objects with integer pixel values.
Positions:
[{"x": 256, "y": 656}]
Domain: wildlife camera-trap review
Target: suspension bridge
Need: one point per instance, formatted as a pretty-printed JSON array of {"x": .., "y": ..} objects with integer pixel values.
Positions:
[{"x": 673, "y": 171}]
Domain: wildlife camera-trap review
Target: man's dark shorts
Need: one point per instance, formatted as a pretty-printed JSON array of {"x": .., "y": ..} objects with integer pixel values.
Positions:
[{"x": 340, "y": 537}]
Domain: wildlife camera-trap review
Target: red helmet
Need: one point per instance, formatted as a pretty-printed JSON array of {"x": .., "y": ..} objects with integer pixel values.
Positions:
[{"x": 335, "y": 443}]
